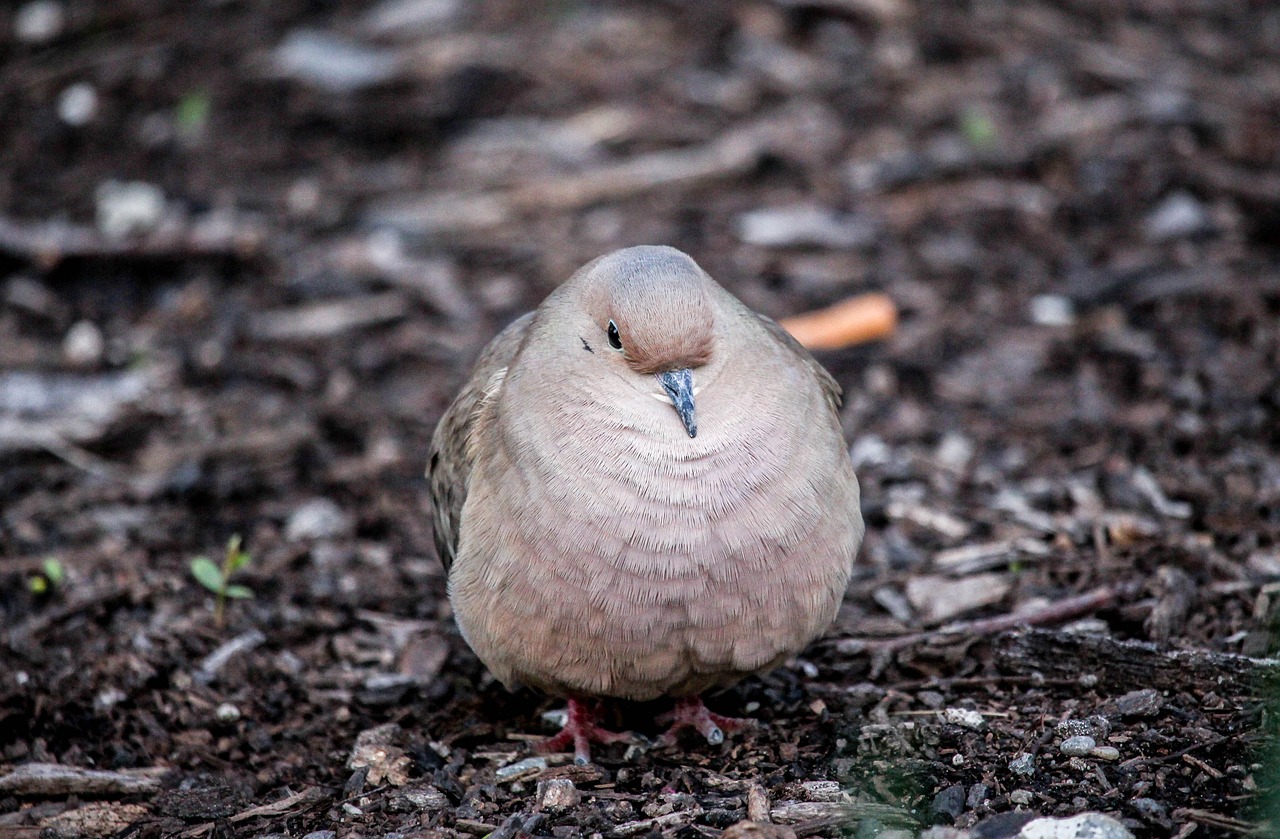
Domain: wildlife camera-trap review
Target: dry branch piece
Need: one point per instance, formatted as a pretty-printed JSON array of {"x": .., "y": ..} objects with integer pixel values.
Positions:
[
  {"x": 325, "y": 320},
  {"x": 734, "y": 153},
  {"x": 45, "y": 244},
  {"x": 52, "y": 779},
  {"x": 1064, "y": 610},
  {"x": 867, "y": 317}
]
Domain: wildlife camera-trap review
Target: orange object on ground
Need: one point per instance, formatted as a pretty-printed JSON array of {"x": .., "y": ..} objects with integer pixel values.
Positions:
[{"x": 857, "y": 320}]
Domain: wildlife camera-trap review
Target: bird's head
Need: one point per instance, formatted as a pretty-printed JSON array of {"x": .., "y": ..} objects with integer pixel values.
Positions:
[{"x": 653, "y": 309}]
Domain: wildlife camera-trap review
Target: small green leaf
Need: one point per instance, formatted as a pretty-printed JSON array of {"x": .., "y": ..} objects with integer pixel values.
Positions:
[
  {"x": 979, "y": 129},
  {"x": 38, "y": 585},
  {"x": 192, "y": 113},
  {"x": 239, "y": 592},
  {"x": 237, "y": 560},
  {"x": 207, "y": 574},
  {"x": 53, "y": 571}
]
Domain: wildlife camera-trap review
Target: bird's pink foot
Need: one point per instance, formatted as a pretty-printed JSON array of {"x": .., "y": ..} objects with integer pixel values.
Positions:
[
  {"x": 690, "y": 712},
  {"x": 580, "y": 731}
]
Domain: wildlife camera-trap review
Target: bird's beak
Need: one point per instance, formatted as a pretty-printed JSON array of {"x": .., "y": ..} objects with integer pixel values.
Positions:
[{"x": 679, "y": 386}]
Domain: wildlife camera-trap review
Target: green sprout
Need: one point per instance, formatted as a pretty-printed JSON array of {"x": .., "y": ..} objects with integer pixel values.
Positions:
[
  {"x": 218, "y": 579},
  {"x": 979, "y": 129},
  {"x": 192, "y": 114},
  {"x": 51, "y": 577}
]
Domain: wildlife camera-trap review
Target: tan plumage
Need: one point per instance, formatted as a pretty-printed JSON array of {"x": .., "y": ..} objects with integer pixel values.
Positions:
[{"x": 596, "y": 548}]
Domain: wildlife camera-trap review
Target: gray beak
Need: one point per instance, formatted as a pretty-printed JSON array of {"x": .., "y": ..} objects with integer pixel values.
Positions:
[{"x": 679, "y": 386}]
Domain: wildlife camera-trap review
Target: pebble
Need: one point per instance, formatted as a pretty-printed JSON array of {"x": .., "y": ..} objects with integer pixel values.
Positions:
[
  {"x": 1140, "y": 703},
  {"x": 1052, "y": 310},
  {"x": 521, "y": 768},
  {"x": 1105, "y": 753},
  {"x": 321, "y": 834},
  {"x": 978, "y": 793},
  {"x": 1179, "y": 216},
  {"x": 1078, "y": 746},
  {"x": 320, "y": 518},
  {"x": 964, "y": 718},
  {"x": 949, "y": 802},
  {"x": 84, "y": 344},
  {"x": 1096, "y": 727},
  {"x": 39, "y": 22},
  {"x": 821, "y": 790},
  {"x": 804, "y": 226},
  {"x": 1022, "y": 797},
  {"x": 78, "y": 104},
  {"x": 1024, "y": 765},
  {"x": 338, "y": 65},
  {"x": 226, "y": 712},
  {"x": 1150, "y": 809},
  {"x": 557, "y": 794},
  {"x": 1083, "y": 826},
  {"x": 130, "y": 207}
]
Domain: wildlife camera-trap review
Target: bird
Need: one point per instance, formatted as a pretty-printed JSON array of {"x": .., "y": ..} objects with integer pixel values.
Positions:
[{"x": 643, "y": 492}]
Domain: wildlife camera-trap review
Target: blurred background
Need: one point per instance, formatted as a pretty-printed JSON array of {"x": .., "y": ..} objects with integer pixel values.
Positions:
[{"x": 249, "y": 249}]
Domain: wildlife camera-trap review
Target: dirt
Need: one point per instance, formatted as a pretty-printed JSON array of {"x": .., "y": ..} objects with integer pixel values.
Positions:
[{"x": 1077, "y": 421}]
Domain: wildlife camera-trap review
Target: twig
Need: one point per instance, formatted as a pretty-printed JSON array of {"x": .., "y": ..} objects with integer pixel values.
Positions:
[
  {"x": 53, "y": 780},
  {"x": 47, "y": 243},
  {"x": 1063, "y": 610},
  {"x": 730, "y": 154}
]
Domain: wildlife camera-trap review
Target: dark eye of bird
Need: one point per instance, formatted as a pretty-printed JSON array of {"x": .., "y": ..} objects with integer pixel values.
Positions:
[{"x": 614, "y": 340}]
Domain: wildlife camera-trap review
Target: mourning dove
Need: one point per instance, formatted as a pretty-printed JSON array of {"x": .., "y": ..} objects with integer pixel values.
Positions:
[{"x": 643, "y": 492}]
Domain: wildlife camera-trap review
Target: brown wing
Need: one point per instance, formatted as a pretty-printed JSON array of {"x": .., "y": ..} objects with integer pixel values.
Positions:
[
  {"x": 449, "y": 468},
  {"x": 829, "y": 385}
]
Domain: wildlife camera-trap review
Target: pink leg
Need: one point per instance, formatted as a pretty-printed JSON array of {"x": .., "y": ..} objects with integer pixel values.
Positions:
[
  {"x": 581, "y": 731},
  {"x": 690, "y": 712}
]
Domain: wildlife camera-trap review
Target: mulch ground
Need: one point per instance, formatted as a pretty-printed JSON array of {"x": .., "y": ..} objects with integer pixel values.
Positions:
[{"x": 1074, "y": 205}]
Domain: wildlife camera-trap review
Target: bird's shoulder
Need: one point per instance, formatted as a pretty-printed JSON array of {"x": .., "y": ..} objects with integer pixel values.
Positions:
[
  {"x": 787, "y": 343},
  {"x": 453, "y": 443}
]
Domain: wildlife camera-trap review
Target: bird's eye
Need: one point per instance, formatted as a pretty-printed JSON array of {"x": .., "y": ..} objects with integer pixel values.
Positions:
[{"x": 614, "y": 340}]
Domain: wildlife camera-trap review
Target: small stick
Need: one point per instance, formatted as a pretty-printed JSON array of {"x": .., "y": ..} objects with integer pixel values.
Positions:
[
  {"x": 857, "y": 320},
  {"x": 1063, "y": 610}
]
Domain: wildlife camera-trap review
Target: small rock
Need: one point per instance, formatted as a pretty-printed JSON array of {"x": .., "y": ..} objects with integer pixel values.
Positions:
[
  {"x": 557, "y": 794},
  {"x": 1095, "y": 727},
  {"x": 804, "y": 226},
  {"x": 757, "y": 830},
  {"x": 39, "y": 22},
  {"x": 409, "y": 19},
  {"x": 1150, "y": 810},
  {"x": 335, "y": 64},
  {"x": 521, "y": 769},
  {"x": 1001, "y": 825},
  {"x": 78, "y": 104},
  {"x": 108, "y": 698},
  {"x": 127, "y": 208},
  {"x": 1180, "y": 215},
  {"x": 821, "y": 790},
  {"x": 419, "y": 798},
  {"x": 1021, "y": 797},
  {"x": 1052, "y": 310},
  {"x": 977, "y": 794},
  {"x": 320, "y": 518},
  {"x": 1078, "y": 746},
  {"x": 949, "y": 803},
  {"x": 964, "y": 718},
  {"x": 1083, "y": 826},
  {"x": 84, "y": 344},
  {"x": 321, "y": 834},
  {"x": 226, "y": 712},
  {"x": 1105, "y": 753},
  {"x": 1140, "y": 703},
  {"x": 1024, "y": 765}
]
